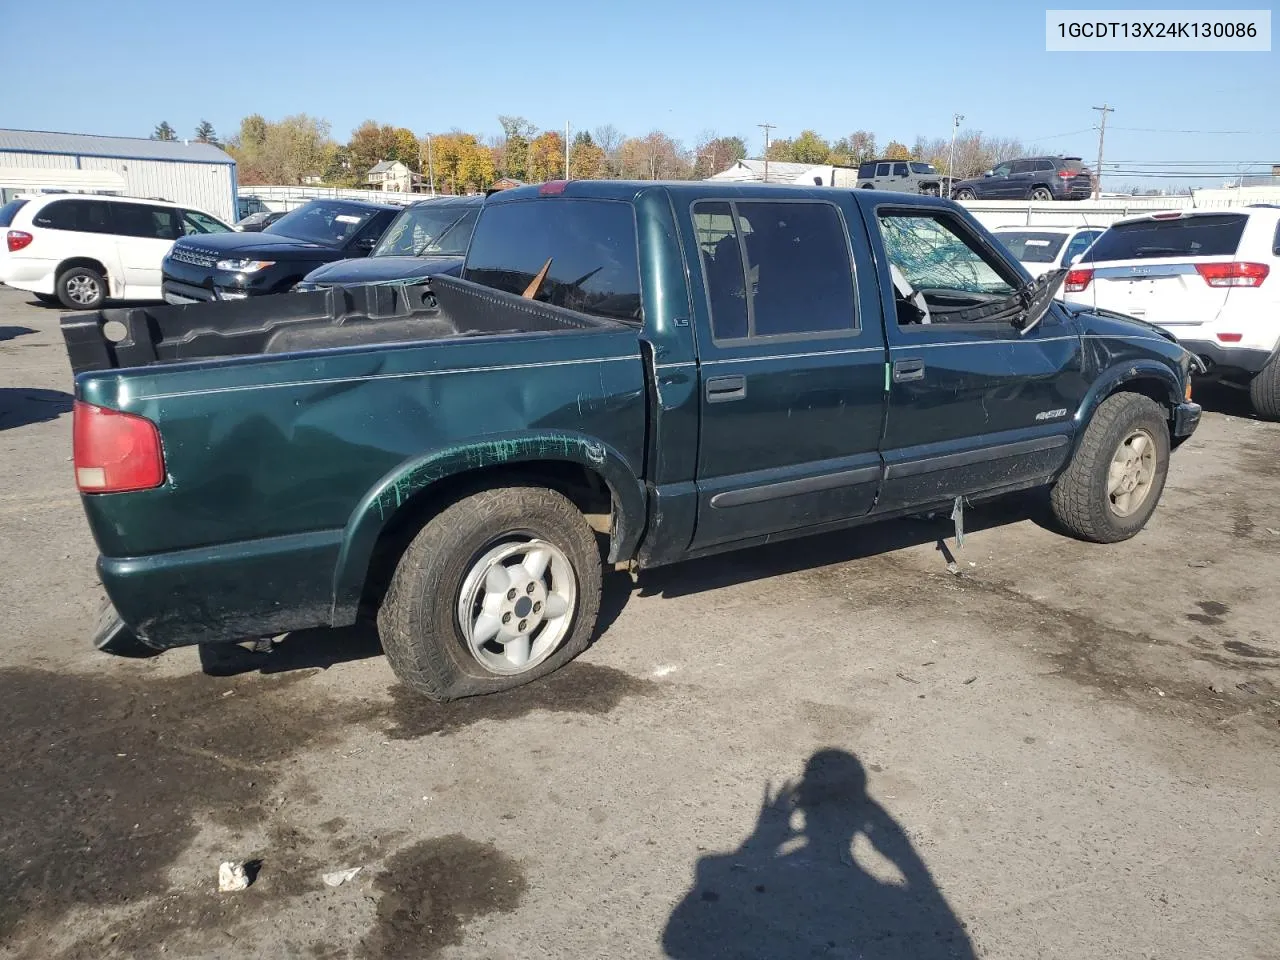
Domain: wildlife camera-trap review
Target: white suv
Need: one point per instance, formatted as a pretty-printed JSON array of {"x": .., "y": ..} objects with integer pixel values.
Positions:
[
  {"x": 1204, "y": 276},
  {"x": 80, "y": 249}
]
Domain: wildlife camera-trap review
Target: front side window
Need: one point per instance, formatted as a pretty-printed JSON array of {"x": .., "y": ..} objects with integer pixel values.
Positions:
[
  {"x": 573, "y": 253},
  {"x": 327, "y": 223},
  {"x": 195, "y": 222},
  {"x": 899, "y": 169},
  {"x": 429, "y": 230},
  {"x": 1002, "y": 170},
  {"x": 940, "y": 260},
  {"x": 882, "y": 170},
  {"x": 775, "y": 269}
]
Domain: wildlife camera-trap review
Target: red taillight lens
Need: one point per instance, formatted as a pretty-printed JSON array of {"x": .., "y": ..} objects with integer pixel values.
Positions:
[
  {"x": 115, "y": 451},
  {"x": 1077, "y": 280},
  {"x": 552, "y": 188},
  {"x": 1067, "y": 174},
  {"x": 1231, "y": 337},
  {"x": 17, "y": 239},
  {"x": 1233, "y": 274}
]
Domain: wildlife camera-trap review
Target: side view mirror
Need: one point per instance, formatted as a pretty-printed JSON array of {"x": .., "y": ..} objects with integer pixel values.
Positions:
[{"x": 366, "y": 244}]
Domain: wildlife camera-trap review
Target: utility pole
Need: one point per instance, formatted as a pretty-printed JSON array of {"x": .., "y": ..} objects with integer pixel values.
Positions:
[
  {"x": 1102, "y": 135},
  {"x": 766, "y": 127},
  {"x": 956, "y": 120},
  {"x": 566, "y": 149},
  {"x": 431, "y": 169}
]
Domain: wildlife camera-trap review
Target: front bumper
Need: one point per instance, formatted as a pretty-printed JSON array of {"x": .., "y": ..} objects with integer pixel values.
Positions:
[{"x": 1186, "y": 417}]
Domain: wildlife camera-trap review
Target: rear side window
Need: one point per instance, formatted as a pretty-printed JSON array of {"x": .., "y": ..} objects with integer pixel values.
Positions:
[
  {"x": 1045, "y": 165},
  {"x": 586, "y": 247},
  {"x": 85, "y": 216},
  {"x": 775, "y": 269},
  {"x": 9, "y": 210},
  {"x": 1033, "y": 247},
  {"x": 1214, "y": 235},
  {"x": 149, "y": 223},
  {"x": 867, "y": 171},
  {"x": 882, "y": 170}
]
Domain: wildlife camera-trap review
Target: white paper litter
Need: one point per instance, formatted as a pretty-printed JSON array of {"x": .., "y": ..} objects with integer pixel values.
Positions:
[
  {"x": 339, "y": 877},
  {"x": 232, "y": 877}
]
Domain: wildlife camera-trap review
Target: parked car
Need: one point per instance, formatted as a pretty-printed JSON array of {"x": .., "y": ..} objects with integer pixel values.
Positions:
[
  {"x": 1041, "y": 249},
  {"x": 903, "y": 176},
  {"x": 604, "y": 355},
  {"x": 257, "y": 222},
  {"x": 79, "y": 250},
  {"x": 246, "y": 206},
  {"x": 234, "y": 266},
  {"x": 428, "y": 238},
  {"x": 1206, "y": 278},
  {"x": 1031, "y": 178}
]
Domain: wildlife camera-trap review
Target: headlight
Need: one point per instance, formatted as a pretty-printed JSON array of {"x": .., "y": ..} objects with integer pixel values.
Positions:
[{"x": 244, "y": 266}]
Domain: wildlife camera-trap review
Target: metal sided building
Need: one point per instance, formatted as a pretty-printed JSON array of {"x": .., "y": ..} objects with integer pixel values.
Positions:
[{"x": 199, "y": 175}]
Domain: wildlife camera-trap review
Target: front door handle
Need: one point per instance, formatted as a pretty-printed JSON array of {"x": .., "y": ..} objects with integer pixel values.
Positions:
[
  {"x": 724, "y": 389},
  {"x": 904, "y": 371}
]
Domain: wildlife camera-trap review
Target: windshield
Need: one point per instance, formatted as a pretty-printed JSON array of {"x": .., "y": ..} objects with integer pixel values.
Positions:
[
  {"x": 1031, "y": 247},
  {"x": 328, "y": 223},
  {"x": 1213, "y": 235},
  {"x": 429, "y": 230},
  {"x": 925, "y": 168}
]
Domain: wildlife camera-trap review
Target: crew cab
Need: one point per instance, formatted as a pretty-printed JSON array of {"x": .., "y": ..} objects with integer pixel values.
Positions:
[
  {"x": 233, "y": 266},
  {"x": 686, "y": 368}
]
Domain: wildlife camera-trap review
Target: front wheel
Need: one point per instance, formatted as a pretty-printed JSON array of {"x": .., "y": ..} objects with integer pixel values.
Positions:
[
  {"x": 965, "y": 194},
  {"x": 498, "y": 589},
  {"x": 1114, "y": 481},
  {"x": 1041, "y": 193},
  {"x": 1264, "y": 390}
]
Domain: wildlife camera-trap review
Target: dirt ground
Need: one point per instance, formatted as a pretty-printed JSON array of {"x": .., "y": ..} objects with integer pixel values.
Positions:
[{"x": 830, "y": 748}]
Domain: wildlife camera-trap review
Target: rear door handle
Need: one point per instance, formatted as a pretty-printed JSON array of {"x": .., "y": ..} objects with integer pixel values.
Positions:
[
  {"x": 724, "y": 389},
  {"x": 904, "y": 371}
]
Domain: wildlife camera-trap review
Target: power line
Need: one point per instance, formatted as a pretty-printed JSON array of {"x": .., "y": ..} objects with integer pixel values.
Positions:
[{"x": 1213, "y": 133}]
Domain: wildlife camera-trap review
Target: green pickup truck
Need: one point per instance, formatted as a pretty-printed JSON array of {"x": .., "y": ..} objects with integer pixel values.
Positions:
[{"x": 624, "y": 373}]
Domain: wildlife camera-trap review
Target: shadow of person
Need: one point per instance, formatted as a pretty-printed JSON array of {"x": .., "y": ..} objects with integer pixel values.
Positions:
[{"x": 848, "y": 884}]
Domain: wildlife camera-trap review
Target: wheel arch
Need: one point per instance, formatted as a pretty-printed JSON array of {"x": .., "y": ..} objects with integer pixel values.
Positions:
[
  {"x": 72, "y": 262},
  {"x": 1039, "y": 186},
  {"x": 590, "y": 473},
  {"x": 1148, "y": 378}
]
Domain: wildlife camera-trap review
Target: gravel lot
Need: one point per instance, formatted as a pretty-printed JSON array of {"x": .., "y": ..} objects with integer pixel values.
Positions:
[{"x": 832, "y": 748}]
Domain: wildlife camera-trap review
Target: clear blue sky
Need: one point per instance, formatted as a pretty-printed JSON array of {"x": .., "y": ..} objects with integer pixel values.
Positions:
[{"x": 684, "y": 66}]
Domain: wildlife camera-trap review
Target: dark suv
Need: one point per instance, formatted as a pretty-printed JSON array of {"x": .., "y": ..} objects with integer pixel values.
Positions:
[{"x": 1031, "y": 178}]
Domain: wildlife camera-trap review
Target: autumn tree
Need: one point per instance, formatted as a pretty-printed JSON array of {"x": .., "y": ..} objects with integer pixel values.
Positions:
[
  {"x": 855, "y": 149},
  {"x": 809, "y": 147},
  {"x": 206, "y": 134},
  {"x": 781, "y": 151},
  {"x": 512, "y": 152},
  {"x": 461, "y": 161},
  {"x": 164, "y": 132},
  {"x": 282, "y": 152},
  {"x": 586, "y": 158},
  {"x": 546, "y": 157},
  {"x": 715, "y": 154},
  {"x": 372, "y": 142},
  {"x": 896, "y": 151},
  {"x": 655, "y": 156},
  {"x": 609, "y": 139}
]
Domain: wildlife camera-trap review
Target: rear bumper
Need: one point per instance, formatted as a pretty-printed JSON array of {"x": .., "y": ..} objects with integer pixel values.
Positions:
[
  {"x": 1247, "y": 359},
  {"x": 227, "y": 592},
  {"x": 1186, "y": 417},
  {"x": 21, "y": 273}
]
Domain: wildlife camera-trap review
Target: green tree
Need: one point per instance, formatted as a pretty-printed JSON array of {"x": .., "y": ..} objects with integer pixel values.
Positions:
[
  {"x": 586, "y": 159},
  {"x": 512, "y": 153},
  {"x": 205, "y": 133},
  {"x": 164, "y": 132},
  {"x": 810, "y": 148},
  {"x": 782, "y": 151}
]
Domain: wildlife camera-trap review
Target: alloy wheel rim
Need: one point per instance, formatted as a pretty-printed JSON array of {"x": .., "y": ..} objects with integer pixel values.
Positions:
[{"x": 1132, "y": 473}]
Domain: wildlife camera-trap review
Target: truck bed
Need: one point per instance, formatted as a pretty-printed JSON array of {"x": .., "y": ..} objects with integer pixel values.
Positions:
[{"x": 294, "y": 322}]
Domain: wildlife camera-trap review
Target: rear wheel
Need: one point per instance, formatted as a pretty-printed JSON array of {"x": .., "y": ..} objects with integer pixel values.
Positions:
[
  {"x": 1264, "y": 390},
  {"x": 498, "y": 589},
  {"x": 1041, "y": 193},
  {"x": 81, "y": 288},
  {"x": 965, "y": 194},
  {"x": 1115, "y": 479}
]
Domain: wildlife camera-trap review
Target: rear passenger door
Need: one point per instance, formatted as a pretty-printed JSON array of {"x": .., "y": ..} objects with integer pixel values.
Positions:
[
  {"x": 974, "y": 407},
  {"x": 791, "y": 367},
  {"x": 144, "y": 235},
  {"x": 82, "y": 228}
]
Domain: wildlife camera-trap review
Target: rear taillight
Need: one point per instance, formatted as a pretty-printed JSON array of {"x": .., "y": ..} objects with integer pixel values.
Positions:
[
  {"x": 115, "y": 451},
  {"x": 17, "y": 239},
  {"x": 1230, "y": 337},
  {"x": 1077, "y": 280},
  {"x": 1233, "y": 274},
  {"x": 1068, "y": 174}
]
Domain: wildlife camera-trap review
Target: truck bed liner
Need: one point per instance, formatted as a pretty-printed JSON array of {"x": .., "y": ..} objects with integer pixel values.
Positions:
[{"x": 323, "y": 319}]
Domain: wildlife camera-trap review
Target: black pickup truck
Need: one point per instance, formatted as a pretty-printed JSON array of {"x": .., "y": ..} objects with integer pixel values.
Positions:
[
  {"x": 234, "y": 266},
  {"x": 694, "y": 367}
]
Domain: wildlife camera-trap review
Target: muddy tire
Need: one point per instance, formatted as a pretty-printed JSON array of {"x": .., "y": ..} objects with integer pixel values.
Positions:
[
  {"x": 1264, "y": 390},
  {"x": 498, "y": 589},
  {"x": 1114, "y": 480}
]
